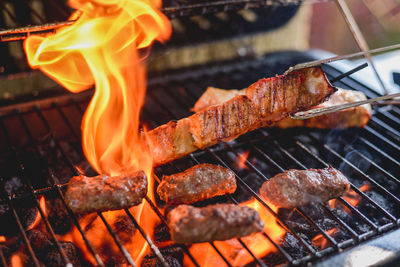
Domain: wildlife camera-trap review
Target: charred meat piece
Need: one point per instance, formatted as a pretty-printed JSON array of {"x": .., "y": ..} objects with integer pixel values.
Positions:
[
  {"x": 352, "y": 117},
  {"x": 264, "y": 102},
  {"x": 216, "y": 222},
  {"x": 196, "y": 183},
  {"x": 102, "y": 193},
  {"x": 295, "y": 188}
]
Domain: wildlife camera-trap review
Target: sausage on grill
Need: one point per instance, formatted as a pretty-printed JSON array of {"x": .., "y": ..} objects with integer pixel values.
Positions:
[
  {"x": 295, "y": 188},
  {"x": 216, "y": 222},
  {"x": 263, "y": 103},
  {"x": 352, "y": 117},
  {"x": 101, "y": 193},
  {"x": 196, "y": 183}
]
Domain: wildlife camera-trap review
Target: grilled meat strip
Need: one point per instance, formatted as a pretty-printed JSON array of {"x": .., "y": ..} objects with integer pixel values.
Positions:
[
  {"x": 264, "y": 102},
  {"x": 296, "y": 188},
  {"x": 352, "y": 117},
  {"x": 216, "y": 222},
  {"x": 196, "y": 183},
  {"x": 101, "y": 193}
]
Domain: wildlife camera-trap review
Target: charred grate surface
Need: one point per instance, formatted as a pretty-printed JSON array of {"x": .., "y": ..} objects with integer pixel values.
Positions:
[{"x": 40, "y": 150}]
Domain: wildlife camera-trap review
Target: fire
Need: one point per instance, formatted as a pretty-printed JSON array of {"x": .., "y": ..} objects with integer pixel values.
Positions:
[
  {"x": 38, "y": 218},
  {"x": 241, "y": 160},
  {"x": 16, "y": 260},
  {"x": 320, "y": 241},
  {"x": 106, "y": 47},
  {"x": 351, "y": 197},
  {"x": 232, "y": 250}
]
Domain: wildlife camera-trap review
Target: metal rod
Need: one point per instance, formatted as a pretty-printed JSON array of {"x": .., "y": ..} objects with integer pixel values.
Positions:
[
  {"x": 24, "y": 32},
  {"x": 302, "y": 115},
  {"x": 359, "y": 38},
  {"x": 348, "y": 73},
  {"x": 126, "y": 254},
  {"x": 153, "y": 247}
]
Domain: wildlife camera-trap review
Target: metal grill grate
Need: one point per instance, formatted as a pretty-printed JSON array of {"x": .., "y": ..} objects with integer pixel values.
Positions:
[{"x": 368, "y": 155}]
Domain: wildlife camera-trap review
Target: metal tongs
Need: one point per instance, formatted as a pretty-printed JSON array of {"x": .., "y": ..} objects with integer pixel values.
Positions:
[{"x": 302, "y": 115}]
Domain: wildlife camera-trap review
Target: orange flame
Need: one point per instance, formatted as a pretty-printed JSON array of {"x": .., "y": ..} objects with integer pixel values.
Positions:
[
  {"x": 2, "y": 238},
  {"x": 38, "y": 218},
  {"x": 352, "y": 197},
  {"x": 102, "y": 48},
  {"x": 232, "y": 250},
  {"x": 320, "y": 241},
  {"x": 16, "y": 260},
  {"x": 241, "y": 159}
]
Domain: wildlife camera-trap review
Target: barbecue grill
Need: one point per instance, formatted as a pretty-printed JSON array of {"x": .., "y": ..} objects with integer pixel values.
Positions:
[{"x": 40, "y": 151}]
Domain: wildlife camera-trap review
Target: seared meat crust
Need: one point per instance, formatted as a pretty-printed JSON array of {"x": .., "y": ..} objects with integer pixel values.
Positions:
[
  {"x": 101, "y": 193},
  {"x": 216, "y": 222},
  {"x": 196, "y": 183},
  {"x": 264, "y": 102},
  {"x": 352, "y": 117},
  {"x": 296, "y": 188}
]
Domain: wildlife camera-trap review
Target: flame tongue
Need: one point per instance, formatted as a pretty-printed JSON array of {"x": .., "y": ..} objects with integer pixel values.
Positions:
[{"x": 101, "y": 48}]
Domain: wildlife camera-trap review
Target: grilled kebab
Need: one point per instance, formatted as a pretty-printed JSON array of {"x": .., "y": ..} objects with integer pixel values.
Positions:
[
  {"x": 264, "y": 102},
  {"x": 352, "y": 117},
  {"x": 216, "y": 222},
  {"x": 196, "y": 183},
  {"x": 100, "y": 193},
  {"x": 296, "y": 188}
]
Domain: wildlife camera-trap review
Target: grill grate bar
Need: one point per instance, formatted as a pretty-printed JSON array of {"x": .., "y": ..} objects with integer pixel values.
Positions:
[
  {"x": 153, "y": 247},
  {"x": 376, "y": 166},
  {"x": 2, "y": 258},
  {"x": 67, "y": 122},
  {"x": 116, "y": 240},
  {"x": 371, "y": 145},
  {"x": 385, "y": 126},
  {"x": 380, "y": 136}
]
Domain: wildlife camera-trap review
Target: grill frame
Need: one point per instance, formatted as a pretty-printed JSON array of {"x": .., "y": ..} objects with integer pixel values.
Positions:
[{"x": 264, "y": 135}]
